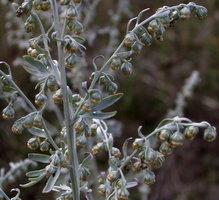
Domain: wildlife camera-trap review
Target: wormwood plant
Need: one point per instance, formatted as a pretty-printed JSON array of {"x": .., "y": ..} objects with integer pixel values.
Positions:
[{"x": 68, "y": 150}]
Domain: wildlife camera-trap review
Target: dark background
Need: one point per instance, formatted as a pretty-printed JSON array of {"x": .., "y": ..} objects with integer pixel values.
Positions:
[{"x": 191, "y": 172}]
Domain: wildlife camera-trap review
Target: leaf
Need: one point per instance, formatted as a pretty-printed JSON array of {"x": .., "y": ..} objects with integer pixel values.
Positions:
[
  {"x": 39, "y": 157},
  {"x": 87, "y": 159},
  {"x": 107, "y": 101},
  {"x": 37, "y": 132},
  {"x": 100, "y": 115},
  {"x": 35, "y": 173},
  {"x": 51, "y": 181},
  {"x": 35, "y": 63},
  {"x": 125, "y": 147},
  {"x": 131, "y": 184},
  {"x": 33, "y": 182}
]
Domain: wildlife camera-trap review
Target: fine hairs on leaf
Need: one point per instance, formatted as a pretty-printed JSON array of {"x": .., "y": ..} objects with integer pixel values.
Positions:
[{"x": 66, "y": 151}]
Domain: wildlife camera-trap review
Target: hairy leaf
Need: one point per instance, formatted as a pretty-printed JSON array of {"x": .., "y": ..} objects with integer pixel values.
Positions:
[
  {"x": 107, "y": 102},
  {"x": 101, "y": 115},
  {"x": 51, "y": 181},
  {"x": 35, "y": 173},
  {"x": 31, "y": 183},
  {"x": 37, "y": 132},
  {"x": 39, "y": 157}
]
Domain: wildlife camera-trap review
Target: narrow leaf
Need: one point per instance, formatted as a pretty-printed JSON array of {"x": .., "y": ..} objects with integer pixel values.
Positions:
[
  {"x": 51, "y": 181},
  {"x": 131, "y": 184},
  {"x": 35, "y": 173},
  {"x": 39, "y": 157},
  {"x": 33, "y": 182},
  {"x": 107, "y": 102},
  {"x": 37, "y": 132},
  {"x": 100, "y": 115}
]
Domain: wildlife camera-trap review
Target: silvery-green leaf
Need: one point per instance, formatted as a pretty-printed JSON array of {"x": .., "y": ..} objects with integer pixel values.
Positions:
[
  {"x": 39, "y": 67},
  {"x": 87, "y": 159},
  {"x": 51, "y": 181},
  {"x": 31, "y": 183},
  {"x": 107, "y": 102},
  {"x": 101, "y": 115},
  {"x": 37, "y": 132},
  {"x": 35, "y": 173},
  {"x": 131, "y": 184},
  {"x": 39, "y": 157},
  {"x": 125, "y": 148}
]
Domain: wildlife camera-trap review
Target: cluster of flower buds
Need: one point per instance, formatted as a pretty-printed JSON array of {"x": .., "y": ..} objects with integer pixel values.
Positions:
[
  {"x": 74, "y": 49},
  {"x": 43, "y": 5},
  {"x": 121, "y": 64},
  {"x": 72, "y": 24},
  {"x": 170, "y": 136},
  {"x": 27, "y": 122},
  {"x": 140, "y": 36},
  {"x": 34, "y": 43},
  {"x": 107, "y": 81},
  {"x": 25, "y": 8},
  {"x": 29, "y": 25},
  {"x": 36, "y": 142}
]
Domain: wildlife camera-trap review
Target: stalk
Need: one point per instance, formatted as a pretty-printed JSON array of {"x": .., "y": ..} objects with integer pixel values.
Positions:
[{"x": 71, "y": 138}]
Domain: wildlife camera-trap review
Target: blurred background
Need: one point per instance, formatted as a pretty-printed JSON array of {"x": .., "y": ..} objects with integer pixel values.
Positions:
[{"x": 189, "y": 52}]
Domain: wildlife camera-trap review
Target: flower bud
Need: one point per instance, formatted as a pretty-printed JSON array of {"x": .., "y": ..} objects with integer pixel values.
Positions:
[
  {"x": 129, "y": 39},
  {"x": 149, "y": 155},
  {"x": 149, "y": 177},
  {"x": 190, "y": 132},
  {"x": 52, "y": 83},
  {"x": 126, "y": 68},
  {"x": 77, "y": 28},
  {"x": 44, "y": 146},
  {"x": 138, "y": 143},
  {"x": 177, "y": 139},
  {"x": 97, "y": 148},
  {"x": 17, "y": 128},
  {"x": 102, "y": 189},
  {"x": 79, "y": 127},
  {"x": 165, "y": 149},
  {"x": 71, "y": 46},
  {"x": 86, "y": 107},
  {"x": 8, "y": 112},
  {"x": 137, "y": 47},
  {"x": 175, "y": 15},
  {"x": 116, "y": 63},
  {"x": 158, "y": 161},
  {"x": 116, "y": 152},
  {"x": 201, "y": 12},
  {"x": 95, "y": 96},
  {"x": 81, "y": 141},
  {"x": 33, "y": 143},
  {"x": 146, "y": 39},
  {"x": 45, "y": 5},
  {"x": 111, "y": 88},
  {"x": 57, "y": 97},
  {"x": 140, "y": 31},
  {"x": 137, "y": 166},
  {"x": 185, "y": 13},
  {"x": 37, "y": 121},
  {"x": 122, "y": 194},
  {"x": 93, "y": 130},
  {"x": 164, "y": 135},
  {"x": 76, "y": 98},
  {"x": 64, "y": 2},
  {"x": 28, "y": 122},
  {"x": 40, "y": 99},
  {"x": 103, "y": 80},
  {"x": 37, "y": 4},
  {"x": 85, "y": 173},
  {"x": 112, "y": 175},
  {"x": 210, "y": 134},
  {"x": 71, "y": 61}
]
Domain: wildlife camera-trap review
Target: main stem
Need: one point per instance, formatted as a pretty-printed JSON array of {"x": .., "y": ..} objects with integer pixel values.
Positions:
[{"x": 73, "y": 168}]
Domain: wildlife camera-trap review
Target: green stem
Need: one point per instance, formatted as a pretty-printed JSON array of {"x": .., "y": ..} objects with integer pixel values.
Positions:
[{"x": 71, "y": 140}]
